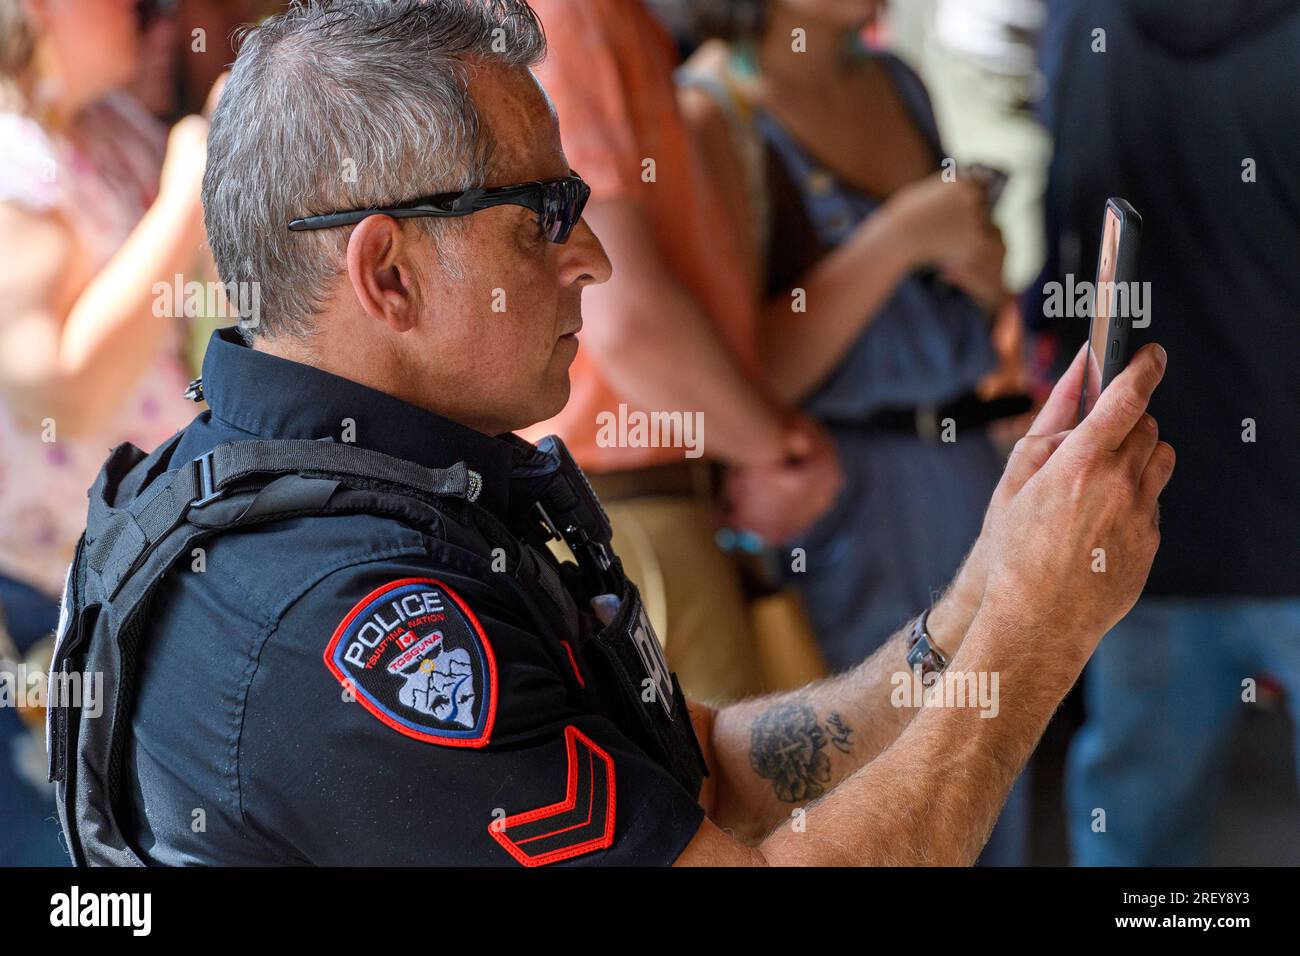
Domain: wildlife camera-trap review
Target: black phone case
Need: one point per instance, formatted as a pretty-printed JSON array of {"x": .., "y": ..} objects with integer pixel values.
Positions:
[{"x": 1117, "y": 349}]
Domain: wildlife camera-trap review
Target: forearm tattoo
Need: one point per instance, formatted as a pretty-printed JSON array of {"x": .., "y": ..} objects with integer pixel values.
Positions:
[
  {"x": 840, "y": 732},
  {"x": 788, "y": 746}
]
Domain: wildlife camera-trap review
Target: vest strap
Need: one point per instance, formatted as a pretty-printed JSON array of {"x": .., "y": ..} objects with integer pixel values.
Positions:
[
  {"x": 130, "y": 533},
  {"x": 234, "y": 461}
]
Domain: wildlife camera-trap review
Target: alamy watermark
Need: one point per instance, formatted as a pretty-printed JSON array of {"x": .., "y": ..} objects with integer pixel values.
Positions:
[
  {"x": 133, "y": 911},
  {"x": 638, "y": 429},
  {"x": 30, "y": 688},
  {"x": 978, "y": 689},
  {"x": 1070, "y": 300},
  {"x": 240, "y": 301}
]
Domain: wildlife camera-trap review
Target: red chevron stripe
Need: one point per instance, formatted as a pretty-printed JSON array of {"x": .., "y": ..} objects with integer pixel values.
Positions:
[{"x": 600, "y": 814}]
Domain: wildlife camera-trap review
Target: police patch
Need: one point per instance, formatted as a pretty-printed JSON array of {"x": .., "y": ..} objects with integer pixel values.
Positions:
[{"x": 416, "y": 657}]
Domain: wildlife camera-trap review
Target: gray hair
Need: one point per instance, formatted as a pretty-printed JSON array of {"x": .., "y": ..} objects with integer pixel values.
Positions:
[{"x": 346, "y": 104}]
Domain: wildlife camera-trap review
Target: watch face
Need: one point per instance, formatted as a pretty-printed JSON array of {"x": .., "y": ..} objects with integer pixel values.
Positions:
[{"x": 922, "y": 654}]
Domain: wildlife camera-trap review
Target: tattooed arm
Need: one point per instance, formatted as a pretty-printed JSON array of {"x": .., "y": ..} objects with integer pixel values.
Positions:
[
  {"x": 930, "y": 797},
  {"x": 773, "y": 754},
  {"x": 877, "y": 786},
  {"x": 751, "y": 770}
]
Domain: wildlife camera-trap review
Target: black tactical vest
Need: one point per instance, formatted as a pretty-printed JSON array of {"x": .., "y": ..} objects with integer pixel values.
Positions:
[{"x": 147, "y": 512}]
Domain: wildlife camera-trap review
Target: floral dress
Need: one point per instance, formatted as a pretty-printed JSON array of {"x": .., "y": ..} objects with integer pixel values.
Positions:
[{"x": 101, "y": 187}]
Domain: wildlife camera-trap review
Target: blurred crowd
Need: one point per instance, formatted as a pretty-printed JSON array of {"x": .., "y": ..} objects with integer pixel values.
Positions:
[{"x": 831, "y": 223}]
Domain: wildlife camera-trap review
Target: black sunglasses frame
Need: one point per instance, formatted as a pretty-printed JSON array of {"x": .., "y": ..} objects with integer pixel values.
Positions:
[{"x": 557, "y": 202}]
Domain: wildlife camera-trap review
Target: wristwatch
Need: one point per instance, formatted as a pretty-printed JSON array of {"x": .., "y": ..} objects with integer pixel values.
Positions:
[{"x": 921, "y": 651}]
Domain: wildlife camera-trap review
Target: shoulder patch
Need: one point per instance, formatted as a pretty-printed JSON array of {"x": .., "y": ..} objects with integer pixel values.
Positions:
[
  {"x": 416, "y": 657},
  {"x": 583, "y": 822}
]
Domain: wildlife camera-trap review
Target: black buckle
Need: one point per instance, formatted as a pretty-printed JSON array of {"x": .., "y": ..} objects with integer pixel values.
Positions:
[{"x": 208, "y": 490}]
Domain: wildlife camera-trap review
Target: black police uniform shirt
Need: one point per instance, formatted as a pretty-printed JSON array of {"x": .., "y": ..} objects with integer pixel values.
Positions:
[{"x": 463, "y": 747}]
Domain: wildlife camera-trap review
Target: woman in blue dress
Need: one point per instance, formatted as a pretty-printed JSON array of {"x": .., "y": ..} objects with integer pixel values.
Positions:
[{"x": 881, "y": 273}]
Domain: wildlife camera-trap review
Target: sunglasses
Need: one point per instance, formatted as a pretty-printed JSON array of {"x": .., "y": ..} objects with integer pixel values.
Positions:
[{"x": 557, "y": 202}]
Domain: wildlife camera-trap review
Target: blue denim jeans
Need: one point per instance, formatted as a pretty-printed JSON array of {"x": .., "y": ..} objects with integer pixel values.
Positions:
[
  {"x": 1163, "y": 693},
  {"x": 29, "y": 831}
]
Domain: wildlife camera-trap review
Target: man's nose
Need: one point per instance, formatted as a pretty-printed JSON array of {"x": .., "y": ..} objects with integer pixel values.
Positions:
[{"x": 586, "y": 259}]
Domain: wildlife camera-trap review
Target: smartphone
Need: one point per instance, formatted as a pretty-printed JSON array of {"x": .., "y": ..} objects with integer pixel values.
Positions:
[{"x": 1108, "y": 346}]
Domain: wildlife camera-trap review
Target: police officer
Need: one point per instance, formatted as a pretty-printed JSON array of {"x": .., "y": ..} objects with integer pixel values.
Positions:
[{"x": 327, "y": 618}]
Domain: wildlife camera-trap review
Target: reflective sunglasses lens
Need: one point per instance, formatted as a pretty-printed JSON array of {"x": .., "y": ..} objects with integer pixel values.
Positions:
[
  {"x": 556, "y": 221},
  {"x": 562, "y": 204}
]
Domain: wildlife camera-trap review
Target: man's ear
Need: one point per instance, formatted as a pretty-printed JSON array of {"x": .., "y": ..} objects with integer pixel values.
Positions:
[{"x": 380, "y": 269}]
